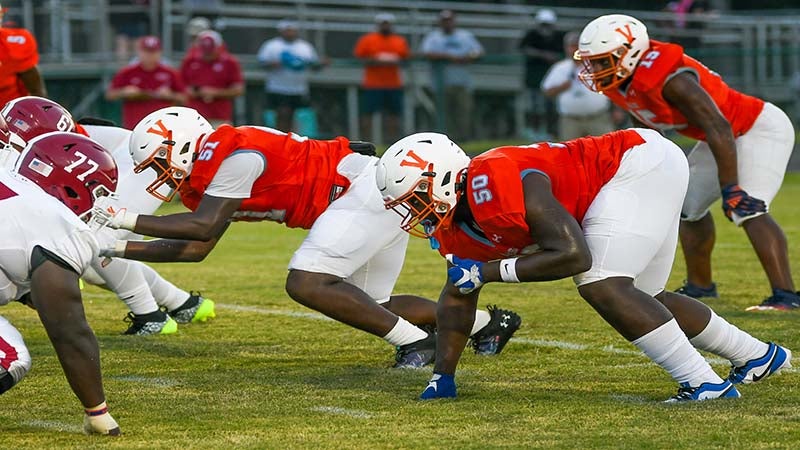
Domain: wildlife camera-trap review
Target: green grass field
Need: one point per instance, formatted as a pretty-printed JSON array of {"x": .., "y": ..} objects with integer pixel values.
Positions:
[{"x": 268, "y": 373}]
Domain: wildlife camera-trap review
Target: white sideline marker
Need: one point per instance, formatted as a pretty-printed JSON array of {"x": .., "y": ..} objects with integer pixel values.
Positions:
[
  {"x": 354, "y": 413},
  {"x": 274, "y": 312},
  {"x": 53, "y": 425}
]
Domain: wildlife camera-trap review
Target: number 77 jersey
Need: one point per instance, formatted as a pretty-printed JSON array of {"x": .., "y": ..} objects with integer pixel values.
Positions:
[{"x": 577, "y": 170}]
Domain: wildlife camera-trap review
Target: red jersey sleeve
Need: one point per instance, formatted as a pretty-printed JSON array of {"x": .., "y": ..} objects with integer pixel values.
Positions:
[
  {"x": 658, "y": 63},
  {"x": 361, "y": 49},
  {"x": 21, "y": 51}
]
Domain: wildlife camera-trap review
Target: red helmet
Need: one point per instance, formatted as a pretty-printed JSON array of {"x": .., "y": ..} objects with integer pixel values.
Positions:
[
  {"x": 71, "y": 167},
  {"x": 5, "y": 135},
  {"x": 28, "y": 117}
]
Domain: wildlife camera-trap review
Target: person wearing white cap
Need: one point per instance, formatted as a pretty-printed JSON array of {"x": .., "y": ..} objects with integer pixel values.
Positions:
[
  {"x": 288, "y": 60},
  {"x": 382, "y": 52},
  {"x": 542, "y": 47}
]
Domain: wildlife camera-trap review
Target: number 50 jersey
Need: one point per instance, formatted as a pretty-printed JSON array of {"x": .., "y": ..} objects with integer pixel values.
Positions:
[{"x": 577, "y": 170}]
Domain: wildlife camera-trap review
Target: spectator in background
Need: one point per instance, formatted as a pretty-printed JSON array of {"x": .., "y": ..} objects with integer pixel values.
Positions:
[
  {"x": 19, "y": 56},
  {"x": 581, "y": 112},
  {"x": 451, "y": 51},
  {"x": 213, "y": 78},
  {"x": 288, "y": 60},
  {"x": 145, "y": 85},
  {"x": 382, "y": 51},
  {"x": 129, "y": 25},
  {"x": 542, "y": 47},
  {"x": 194, "y": 27}
]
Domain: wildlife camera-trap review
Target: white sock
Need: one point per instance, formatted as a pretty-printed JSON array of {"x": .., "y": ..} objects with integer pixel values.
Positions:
[
  {"x": 668, "y": 347},
  {"x": 404, "y": 332},
  {"x": 166, "y": 294},
  {"x": 482, "y": 319},
  {"x": 124, "y": 278},
  {"x": 723, "y": 339}
]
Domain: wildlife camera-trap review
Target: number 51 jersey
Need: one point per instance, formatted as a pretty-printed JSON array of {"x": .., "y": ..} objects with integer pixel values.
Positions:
[
  {"x": 30, "y": 218},
  {"x": 577, "y": 170}
]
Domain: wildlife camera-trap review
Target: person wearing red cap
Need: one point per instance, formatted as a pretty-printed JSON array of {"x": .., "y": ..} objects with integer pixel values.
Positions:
[
  {"x": 19, "y": 56},
  {"x": 146, "y": 85},
  {"x": 213, "y": 78}
]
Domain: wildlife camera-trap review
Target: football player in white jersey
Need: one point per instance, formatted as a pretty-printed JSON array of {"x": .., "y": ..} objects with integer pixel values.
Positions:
[
  {"x": 142, "y": 289},
  {"x": 44, "y": 247}
]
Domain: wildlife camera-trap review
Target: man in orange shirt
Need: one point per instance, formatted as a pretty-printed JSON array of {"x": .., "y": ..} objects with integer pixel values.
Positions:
[
  {"x": 19, "y": 75},
  {"x": 382, "y": 51}
]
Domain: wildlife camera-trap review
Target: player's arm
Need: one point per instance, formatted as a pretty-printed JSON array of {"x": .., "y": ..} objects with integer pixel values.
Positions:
[
  {"x": 685, "y": 93},
  {"x": 207, "y": 222},
  {"x": 57, "y": 299},
  {"x": 563, "y": 249},
  {"x": 166, "y": 250},
  {"x": 33, "y": 82}
]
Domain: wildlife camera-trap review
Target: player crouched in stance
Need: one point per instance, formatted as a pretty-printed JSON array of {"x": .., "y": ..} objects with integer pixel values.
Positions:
[
  {"x": 45, "y": 248},
  {"x": 603, "y": 210},
  {"x": 348, "y": 264},
  {"x": 140, "y": 287}
]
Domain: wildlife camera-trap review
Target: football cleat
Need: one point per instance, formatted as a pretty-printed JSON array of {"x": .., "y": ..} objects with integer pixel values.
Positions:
[
  {"x": 195, "y": 309},
  {"x": 157, "y": 322},
  {"x": 491, "y": 339},
  {"x": 773, "y": 361},
  {"x": 779, "y": 301},
  {"x": 696, "y": 292},
  {"x": 416, "y": 354},
  {"x": 706, "y": 391}
]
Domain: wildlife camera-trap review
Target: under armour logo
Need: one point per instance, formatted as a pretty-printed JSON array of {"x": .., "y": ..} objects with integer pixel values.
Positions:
[
  {"x": 497, "y": 238},
  {"x": 504, "y": 323}
]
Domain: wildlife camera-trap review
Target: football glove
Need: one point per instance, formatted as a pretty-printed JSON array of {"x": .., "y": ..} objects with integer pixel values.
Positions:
[
  {"x": 97, "y": 420},
  {"x": 465, "y": 273},
  {"x": 440, "y": 386},
  {"x": 109, "y": 213},
  {"x": 8, "y": 157},
  {"x": 736, "y": 200}
]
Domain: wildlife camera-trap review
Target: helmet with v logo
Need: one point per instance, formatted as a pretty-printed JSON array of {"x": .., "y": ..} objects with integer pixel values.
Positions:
[{"x": 610, "y": 47}]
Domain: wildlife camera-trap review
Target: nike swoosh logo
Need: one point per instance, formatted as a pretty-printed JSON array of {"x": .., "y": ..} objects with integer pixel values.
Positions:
[{"x": 769, "y": 364}]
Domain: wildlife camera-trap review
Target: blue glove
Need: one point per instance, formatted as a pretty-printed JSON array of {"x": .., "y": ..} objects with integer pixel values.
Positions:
[
  {"x": 440, "y": 386},
  {"x": 465, "y": 273},
  {"x": 736, "y": 200}
]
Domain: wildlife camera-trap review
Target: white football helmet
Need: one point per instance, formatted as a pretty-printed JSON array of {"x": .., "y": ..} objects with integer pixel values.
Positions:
[
  {"x": 610, "y": 48},
  {"x": 421, "y": 178},
  {"x": 168, "y": 140}
]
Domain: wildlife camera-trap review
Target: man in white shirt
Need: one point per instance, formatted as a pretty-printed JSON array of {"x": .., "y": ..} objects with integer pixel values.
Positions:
[
  {"x": 288, "y": 60},
  {"x": 581, "y": 112}
]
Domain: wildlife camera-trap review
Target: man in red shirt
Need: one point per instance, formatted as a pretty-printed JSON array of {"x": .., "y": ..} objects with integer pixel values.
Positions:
[
  {"x": 213, "y": 78},
  {"x": 604, "y": 210},
  {"x": 743, "y": 147},
  {"x": 348, "y": 264},
  {"x": 19, "y": 75},
  {"x": 145, "y": 85},
  {"x": 383, "y": 52}
]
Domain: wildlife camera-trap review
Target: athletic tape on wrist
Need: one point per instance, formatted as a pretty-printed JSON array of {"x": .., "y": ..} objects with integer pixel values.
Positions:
[
  {"x": 508, "y": 270},
  {"x": 98, "y": 410}
]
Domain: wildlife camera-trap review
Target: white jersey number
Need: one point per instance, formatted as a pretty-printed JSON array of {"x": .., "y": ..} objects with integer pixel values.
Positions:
[{"x": 93, "y": 166}]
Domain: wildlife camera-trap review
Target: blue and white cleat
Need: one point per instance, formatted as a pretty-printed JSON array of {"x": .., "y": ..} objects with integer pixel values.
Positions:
[
  {"x": 706, "y": 391},
  {"x": 773, "y": 361}
]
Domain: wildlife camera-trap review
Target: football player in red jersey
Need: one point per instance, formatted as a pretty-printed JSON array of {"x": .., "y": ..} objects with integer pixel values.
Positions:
[
  {"x": 604, "y": 210},
  {"x": 45, "y": 249},
  {"x": 346, "y": 267},
  {"x": 19, "y": 73},
  {"x": 743, "y": 147}
]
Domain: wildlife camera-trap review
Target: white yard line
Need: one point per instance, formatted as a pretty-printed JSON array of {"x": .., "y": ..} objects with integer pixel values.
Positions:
[
  {"x": 354, "y": 413},
  {"x": 273, "y": 312},
  {"x": 53, "y": 425}
]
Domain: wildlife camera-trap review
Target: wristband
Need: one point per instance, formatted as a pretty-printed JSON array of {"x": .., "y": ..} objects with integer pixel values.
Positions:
[
  {"x": 508, "y": 270},
  {"x": 128, "y": 221},
  {"x": 98, "y": 410}
]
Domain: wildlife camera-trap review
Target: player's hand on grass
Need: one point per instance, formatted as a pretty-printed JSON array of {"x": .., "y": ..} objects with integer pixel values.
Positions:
[
  {"x": 440, "y": 386},
  {"x": 97, "y": 420},
  {"x": 465, "y": 274},
  {"x": 736, "y": 200}
]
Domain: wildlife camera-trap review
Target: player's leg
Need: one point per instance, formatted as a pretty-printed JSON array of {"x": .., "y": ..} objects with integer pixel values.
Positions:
[
  {"x": 182, "y": 306},
  {"x": 124, "y": 279},
  {"x": 697, "y": 233},
  {"x": 15, "y": 360},
  {"x": 763, "y": 154},
  {"x": 630, "y": 221},
  {"x": 343, "y": 239}
]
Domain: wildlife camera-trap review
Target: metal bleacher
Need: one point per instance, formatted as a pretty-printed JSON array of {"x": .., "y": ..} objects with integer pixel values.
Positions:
[{"x": 758, "y": 54}]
